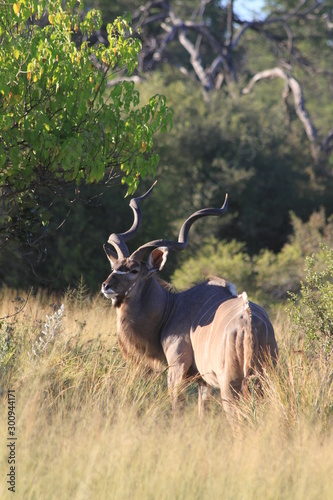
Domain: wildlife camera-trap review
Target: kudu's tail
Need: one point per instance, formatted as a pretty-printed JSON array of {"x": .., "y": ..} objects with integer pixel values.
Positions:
[{"x": 250, "y": 343}]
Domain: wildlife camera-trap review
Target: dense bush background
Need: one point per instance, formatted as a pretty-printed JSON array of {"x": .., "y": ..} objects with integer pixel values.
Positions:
[{"x": 251, "y": 146}]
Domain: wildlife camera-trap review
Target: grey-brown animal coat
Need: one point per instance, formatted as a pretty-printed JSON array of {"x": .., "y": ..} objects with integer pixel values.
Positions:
[{"x": 207, "y": 331}]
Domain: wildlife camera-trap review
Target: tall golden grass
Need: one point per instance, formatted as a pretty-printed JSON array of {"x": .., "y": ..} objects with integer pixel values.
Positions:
[{"x": 90, "y": 426}]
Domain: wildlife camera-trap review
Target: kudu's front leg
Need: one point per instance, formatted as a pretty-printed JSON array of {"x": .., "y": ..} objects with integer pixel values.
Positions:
[
  {"x": 179, "y": 357},
  {"x": 176, "y": 376}
]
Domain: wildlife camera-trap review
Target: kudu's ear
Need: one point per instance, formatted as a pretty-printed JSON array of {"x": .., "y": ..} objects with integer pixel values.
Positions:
[
  {"x": 157, "y": 259},
  {"x": 111, "y": 255}
]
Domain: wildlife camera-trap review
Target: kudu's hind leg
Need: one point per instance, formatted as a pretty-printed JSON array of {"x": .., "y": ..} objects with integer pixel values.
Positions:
[{"x": 229, "y": 396}]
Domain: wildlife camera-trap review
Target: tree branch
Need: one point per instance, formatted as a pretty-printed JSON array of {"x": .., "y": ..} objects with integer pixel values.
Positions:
[
  {"x": 282, "y": 19},
  {"x": 195, "y": 60},
  {"x": 300, "y": 109},
  {"x": 325, "y": 145}
]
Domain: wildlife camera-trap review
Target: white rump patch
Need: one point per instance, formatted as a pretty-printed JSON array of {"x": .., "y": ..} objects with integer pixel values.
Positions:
[{"x": 245, "y": 299}]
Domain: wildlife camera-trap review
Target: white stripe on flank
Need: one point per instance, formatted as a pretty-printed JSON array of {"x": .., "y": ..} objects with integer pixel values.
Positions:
[
  {"x": 219, "y": 302},
  {"x": 203, "y": 306},
  {"x": 261, "y": 317}
]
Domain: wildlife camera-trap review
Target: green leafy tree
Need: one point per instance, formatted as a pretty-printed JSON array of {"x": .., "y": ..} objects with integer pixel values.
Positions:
[{"x": 59, "y": 122}]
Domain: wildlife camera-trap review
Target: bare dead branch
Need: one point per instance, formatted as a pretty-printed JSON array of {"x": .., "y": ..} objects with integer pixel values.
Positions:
[
  {"x": 195, "y": 60},
  {"x": 300, "y": 109},
  {"x": 230, "y": 23},
  {"x": 325, "y": 145}
]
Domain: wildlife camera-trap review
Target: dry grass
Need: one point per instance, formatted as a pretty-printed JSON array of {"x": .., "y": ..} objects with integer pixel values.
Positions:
[{"x": 89, "y": 427}]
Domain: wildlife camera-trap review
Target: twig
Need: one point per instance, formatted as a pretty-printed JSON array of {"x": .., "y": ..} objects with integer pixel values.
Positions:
[{"x": 20, "y": 310}]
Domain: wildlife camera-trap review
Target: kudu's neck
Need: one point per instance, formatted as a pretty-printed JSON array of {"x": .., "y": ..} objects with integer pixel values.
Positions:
[{"x": 141, "y": 318}]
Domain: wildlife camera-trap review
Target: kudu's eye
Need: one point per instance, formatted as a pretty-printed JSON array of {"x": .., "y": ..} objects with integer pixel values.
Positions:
[{"x": 134, "y": 271}]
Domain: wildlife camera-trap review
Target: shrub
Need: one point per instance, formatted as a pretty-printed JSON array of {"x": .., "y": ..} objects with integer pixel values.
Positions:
[
  {"x": 279, "y": 273},
  {"x": 312, "y": 311},
  {"x": 225, "y": 259}
]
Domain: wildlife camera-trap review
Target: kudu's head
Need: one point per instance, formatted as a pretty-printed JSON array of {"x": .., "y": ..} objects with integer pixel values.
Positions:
[{"x": 129, "y": 271}]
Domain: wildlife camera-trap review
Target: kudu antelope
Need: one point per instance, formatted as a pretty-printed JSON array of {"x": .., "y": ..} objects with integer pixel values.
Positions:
[{"x": 207, "y": 331}]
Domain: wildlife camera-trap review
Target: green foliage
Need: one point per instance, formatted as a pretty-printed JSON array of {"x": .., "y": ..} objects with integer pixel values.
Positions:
[
  {"x": 268, "y": 276},
  {"x": 224, "y": 259},
  {"x": 280, "y": 273},
  {"x": 312, "y": 311},
  {"x": 58, "y": 124},
  {"x": 110, "y": 10}
]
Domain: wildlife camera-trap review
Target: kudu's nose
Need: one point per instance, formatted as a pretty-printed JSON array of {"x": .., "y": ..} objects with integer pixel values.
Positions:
[{"x": 105, "y": 286}]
